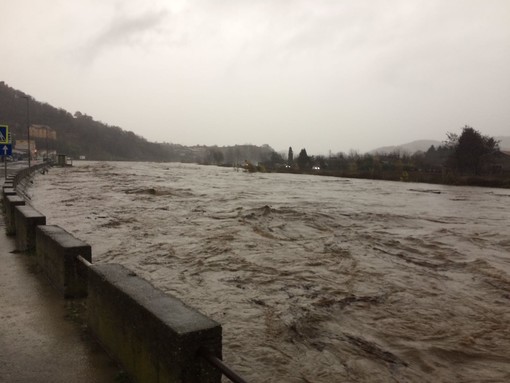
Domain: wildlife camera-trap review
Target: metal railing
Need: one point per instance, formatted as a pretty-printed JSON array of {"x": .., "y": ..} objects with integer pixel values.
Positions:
[
  {"x": 220, "y": 365},
  {"x": 202, "y": 352},
  {"x": 22, "y": 177},
  {"x": 82, "y": 266}
]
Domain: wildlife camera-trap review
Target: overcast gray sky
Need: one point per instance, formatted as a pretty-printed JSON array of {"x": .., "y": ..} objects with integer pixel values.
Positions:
[{"x": 319, "y": 74}]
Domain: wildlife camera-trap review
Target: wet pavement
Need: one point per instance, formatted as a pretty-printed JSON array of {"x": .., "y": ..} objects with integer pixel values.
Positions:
[{"x": 39, "y": 340}]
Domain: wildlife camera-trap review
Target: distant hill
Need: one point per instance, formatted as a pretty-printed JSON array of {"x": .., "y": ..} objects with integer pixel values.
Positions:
[
  {"x": 81, "y": 135},
  {"x": 504, "y": 142},
  {"x": 424, "y": 145},
  {"x": 410, "y": 147}
]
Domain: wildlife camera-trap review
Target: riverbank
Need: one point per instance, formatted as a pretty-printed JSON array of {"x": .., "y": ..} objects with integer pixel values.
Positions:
[{"x": 437, "y": 178}]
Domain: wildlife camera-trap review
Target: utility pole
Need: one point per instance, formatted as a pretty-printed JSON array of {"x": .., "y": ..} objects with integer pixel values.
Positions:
[
  {"x": 28, "y": 129},
  {"x": 47, "y": 144}
]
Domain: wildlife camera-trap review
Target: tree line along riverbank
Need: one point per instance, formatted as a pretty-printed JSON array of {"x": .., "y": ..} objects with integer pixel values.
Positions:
[{"x": 466, "y": 159}]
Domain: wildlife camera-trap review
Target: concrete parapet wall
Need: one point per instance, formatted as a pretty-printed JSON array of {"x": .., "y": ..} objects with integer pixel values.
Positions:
[
  {"x": 8, "y": 191},
  {"x": 155, "y": 336},
  {"x": 26, "y": 219},
  {"x": 10, "y": 202},
  {"x": 57, "y": 252},
  {"x": 25, "y": 173},
  {"x": 22, "y": 178}
]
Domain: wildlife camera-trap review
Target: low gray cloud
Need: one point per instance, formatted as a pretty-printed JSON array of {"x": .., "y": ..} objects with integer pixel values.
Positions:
[
  {"x": 124, "y": 30},
  {"x": 331, "y": 74}
]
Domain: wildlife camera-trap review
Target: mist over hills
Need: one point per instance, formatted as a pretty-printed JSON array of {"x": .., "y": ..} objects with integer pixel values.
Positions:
[
  {"x": 80, "y": 135},
  {"x": 504, "y": 142},
  {"x": 424, "y": 145},
  {"x": 410, "y": 147}
]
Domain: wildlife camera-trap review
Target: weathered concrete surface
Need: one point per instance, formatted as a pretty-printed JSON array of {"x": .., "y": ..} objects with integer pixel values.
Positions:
[
  {"x": 37, "y": 343},
  {"x": 57, "y": 252},
  {"x": 10, "y": 202},
  {"x": 8, "y": 191},
  {"x": 154, "y": 335},
  {"x": 26, "y": 219}
]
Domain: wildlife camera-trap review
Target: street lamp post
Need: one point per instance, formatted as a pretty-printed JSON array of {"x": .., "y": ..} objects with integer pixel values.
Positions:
[
  {"x": 47, "y": 145},
  {"x": 28, "y": 129}
]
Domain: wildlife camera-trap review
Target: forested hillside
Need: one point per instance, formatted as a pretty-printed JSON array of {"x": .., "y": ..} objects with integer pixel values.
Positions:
[{"x": 80, "y": 135}]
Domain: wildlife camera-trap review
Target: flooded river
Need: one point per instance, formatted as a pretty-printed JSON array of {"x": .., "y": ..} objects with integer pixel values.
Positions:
[{"x": 314, "y": 279}]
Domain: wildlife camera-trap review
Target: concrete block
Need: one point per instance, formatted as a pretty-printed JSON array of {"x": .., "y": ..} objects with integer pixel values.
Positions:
[
  {"x": 154, "y": 335},
  {"x": 8, "y": 191},
  {"x": 57, "y": 252},
  {"x": 26, "y": 219},
  {"x": 10, "y": 202}
]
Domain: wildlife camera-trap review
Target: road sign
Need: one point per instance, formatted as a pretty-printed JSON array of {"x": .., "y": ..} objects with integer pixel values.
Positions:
[
  {"x": 6, "y": 150},
  {"x": 4, "y": 134}
]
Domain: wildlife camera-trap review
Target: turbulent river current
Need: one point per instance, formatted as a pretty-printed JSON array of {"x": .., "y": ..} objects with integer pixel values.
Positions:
[{"x": 314, "y": 279}]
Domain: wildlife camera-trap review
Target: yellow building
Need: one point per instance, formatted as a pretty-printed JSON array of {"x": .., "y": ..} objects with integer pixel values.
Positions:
[{"x": 42, "y": 131}]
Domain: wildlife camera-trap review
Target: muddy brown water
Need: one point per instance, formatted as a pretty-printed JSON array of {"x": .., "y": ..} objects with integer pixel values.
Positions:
[{"x": 314, "y": 279}]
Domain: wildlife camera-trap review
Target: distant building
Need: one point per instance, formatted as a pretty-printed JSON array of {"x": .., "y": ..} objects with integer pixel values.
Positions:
[
  {"x": 42, "y": 131},
  {"x": 498, "y": 162},
  {"x": 22, "y": 146},
  {"x": 504, "y": 160},
  {"x": 51, "y": 154}
]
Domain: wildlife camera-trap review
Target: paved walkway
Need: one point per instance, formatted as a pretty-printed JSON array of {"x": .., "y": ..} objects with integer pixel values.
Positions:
[{"x": 37, "y": 342}]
